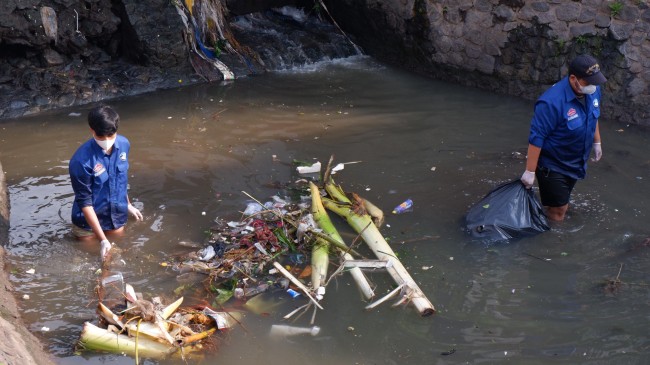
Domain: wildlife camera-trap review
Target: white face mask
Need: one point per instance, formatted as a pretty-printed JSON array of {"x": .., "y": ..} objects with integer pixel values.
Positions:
[
  {"x": 105, "y": 144},
  {"x": 587, "y": 90}
]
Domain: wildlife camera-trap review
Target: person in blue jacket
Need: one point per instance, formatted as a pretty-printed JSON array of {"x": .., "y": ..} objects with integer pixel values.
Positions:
[
  {"x": 99, "y": 177},
  {"x": 563, "y": 131}
]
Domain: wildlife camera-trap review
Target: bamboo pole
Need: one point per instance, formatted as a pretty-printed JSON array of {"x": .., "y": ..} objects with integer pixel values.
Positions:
[
  {"x": 321, "y": 248},
  {"x": 95, "y": 338},
  {"x": 325, "y": 223},
  {"x": 363, "y": 225}
]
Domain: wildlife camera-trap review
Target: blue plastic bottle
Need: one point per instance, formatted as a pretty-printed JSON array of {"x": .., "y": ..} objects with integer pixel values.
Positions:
[{"x": 405, "y": 206}]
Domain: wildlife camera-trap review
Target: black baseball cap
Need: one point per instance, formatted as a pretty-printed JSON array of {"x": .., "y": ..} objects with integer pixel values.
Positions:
[{"x": 587, "y": 68}]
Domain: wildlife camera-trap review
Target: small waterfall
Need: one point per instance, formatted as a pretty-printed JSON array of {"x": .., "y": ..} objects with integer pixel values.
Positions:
[
  {"x": 286, "y": 38},
  {"x": 275, "y": 39}
]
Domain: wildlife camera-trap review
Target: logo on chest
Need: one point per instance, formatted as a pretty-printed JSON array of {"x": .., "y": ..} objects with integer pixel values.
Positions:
[
  {"x": 571, "y": 114},
  {"x": 99, "y": 169}
]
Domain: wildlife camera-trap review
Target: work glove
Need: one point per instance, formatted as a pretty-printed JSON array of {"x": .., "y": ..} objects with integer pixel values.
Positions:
[
  {"x": 106, "y": 246},
  {"x": 135, "y": 212},
  {"x": 598, "y": 151},
  {"x": 528, "y": 179}
]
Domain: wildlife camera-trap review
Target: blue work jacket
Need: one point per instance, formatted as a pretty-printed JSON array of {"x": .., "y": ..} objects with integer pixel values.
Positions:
[
  {"x": 564, "y": 129},
  {"x": 101, "y": 180}
]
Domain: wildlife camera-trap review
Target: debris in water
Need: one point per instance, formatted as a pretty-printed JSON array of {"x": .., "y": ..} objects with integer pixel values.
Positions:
[
  {"x": 314, "y": 168},
  {"x": 404, "y": 207}
]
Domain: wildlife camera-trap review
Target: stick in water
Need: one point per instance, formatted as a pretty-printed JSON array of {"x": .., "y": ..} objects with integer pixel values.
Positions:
[{"x": 296, "y": 282}]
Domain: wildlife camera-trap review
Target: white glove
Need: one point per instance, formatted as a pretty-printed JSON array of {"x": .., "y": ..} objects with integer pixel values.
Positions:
[
  {"x": 106, "y": 246},
  {"x": 598, "y": 151},
  {"x": 528, "y": 179},
  {"x": 135, "y": 212}
]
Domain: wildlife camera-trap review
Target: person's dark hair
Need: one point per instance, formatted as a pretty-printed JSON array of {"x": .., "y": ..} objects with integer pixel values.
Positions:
[{"x": 103, "y": 120}]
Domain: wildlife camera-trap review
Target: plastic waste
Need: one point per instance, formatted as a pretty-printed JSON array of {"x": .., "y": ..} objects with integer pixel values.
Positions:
[
  {"x": 264, "y": 304},
  {"x": 297, "y": 258},
  {"x": 207, "y": 253},
  {"x": 252, "y": 208},
  {"x": 116, "y": 280},
  {"x": 508, "y": 211},
  {"x": 223, "y": 319},
  {"x": 283, "y": 330},
  {"x": 294, "y": 294},
  {"x": 282, "y": 283},
  {"x": 406, "y": 206},
  {"x": 249, "y": 292},
  {"x": 309, "y": 169},
  {"x": 113, "y": 288}
]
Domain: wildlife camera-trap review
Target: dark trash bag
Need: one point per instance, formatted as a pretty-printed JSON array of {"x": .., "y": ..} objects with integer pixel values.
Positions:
[{"x": 508, "y": 211}]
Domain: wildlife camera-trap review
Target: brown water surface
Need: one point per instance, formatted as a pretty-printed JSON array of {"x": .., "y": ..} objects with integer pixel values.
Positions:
[{"x": 535, "y": 301}]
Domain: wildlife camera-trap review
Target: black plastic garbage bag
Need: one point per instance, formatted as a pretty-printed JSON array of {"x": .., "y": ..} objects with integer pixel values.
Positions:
[{"x": 508, "y": 211}]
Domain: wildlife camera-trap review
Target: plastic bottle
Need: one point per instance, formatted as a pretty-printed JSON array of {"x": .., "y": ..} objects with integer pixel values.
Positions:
[
  {"x": 112, "y": 290},
  {"x": 294, "y": 294},
  {"x": 281, "y": 330},
  {"x": 405, "y": 206}
]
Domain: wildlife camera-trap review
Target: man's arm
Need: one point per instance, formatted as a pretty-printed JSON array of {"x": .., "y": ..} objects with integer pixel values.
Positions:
[
  {"x": 533, "y": 157},
  {"x": 528, "y": 177},
  {"x": 93, "y": 222},
  {"x": 598, "y": 148}
]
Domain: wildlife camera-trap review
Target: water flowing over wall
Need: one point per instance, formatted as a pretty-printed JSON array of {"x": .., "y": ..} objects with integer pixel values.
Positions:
[
  {"x": 517, "y": 47},
  {"x": 57, "y": 53}
]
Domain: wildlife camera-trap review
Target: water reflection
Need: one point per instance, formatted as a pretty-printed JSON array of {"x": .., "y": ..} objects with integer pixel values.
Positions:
[{"x": 537, "y": 300}]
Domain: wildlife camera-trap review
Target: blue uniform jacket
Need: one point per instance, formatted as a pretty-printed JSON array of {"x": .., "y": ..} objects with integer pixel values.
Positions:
[
  {"x": 564, "y": 129},
  {"x": 101, "y": 180}
]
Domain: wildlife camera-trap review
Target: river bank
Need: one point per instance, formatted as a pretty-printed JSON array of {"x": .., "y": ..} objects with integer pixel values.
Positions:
[{"x": 19, "y": 346}]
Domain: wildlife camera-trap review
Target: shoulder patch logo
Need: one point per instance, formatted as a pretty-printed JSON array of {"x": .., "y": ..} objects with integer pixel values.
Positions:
[
  {"x": 595, "y": 103},
  {"x": 123, "y": 156}
]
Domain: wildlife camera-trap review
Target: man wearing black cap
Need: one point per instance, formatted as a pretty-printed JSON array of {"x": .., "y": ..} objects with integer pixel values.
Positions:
[{"x": 563, "y": 132}]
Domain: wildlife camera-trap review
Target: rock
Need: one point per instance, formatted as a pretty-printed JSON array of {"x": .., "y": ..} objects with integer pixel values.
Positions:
[
  {"x": 587, "y": 16},
  {"x": 49, "y": 20},
  {"x": 42, "y": 100},
  {"x": 541, "y": 7},
  {"x": 52, "y": 58},
  {"x": 620, "y": 31},
  {"x": 66, "y": 100},
  {"x": 504, "y": 13},
  {"x": 18, "y": 104},
  {"x": 603, "y": 21},
  {"x": 637, "y": 87},
  {"x": 568, "y": 12}
]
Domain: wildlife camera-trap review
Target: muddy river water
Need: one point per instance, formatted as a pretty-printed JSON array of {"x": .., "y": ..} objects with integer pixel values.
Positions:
[{"x": 538, "y": 300}]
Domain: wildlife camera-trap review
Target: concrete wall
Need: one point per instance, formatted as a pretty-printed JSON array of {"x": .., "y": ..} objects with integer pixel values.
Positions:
[{"x": 516, "y": 47}]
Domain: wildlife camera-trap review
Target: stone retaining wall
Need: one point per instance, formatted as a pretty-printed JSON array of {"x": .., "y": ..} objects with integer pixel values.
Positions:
[{"x": 515, "y": 47}]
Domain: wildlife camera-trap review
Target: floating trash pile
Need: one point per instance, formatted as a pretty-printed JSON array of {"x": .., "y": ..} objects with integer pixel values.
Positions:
[{"x": 285, "y": 244}]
